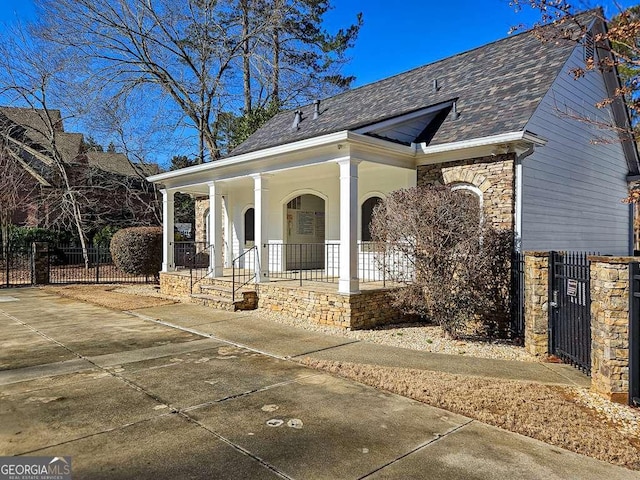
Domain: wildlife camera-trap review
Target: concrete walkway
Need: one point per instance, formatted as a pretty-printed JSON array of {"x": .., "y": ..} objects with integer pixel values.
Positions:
[
  {"x": 285, "y": 342},
  {"x": 127, "y": 397}
]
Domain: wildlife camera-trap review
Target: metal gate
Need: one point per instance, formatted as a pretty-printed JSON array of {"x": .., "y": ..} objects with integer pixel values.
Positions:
[
  {"x": 570, "y": 308},
  {"x": 15, "y": 266}
]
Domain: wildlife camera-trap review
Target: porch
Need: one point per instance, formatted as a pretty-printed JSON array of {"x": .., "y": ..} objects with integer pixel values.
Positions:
[{"x": 302, "y": 281}]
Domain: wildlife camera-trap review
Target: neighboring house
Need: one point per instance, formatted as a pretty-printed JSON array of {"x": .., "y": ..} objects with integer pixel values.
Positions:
[
  {"x": 500, "y": 121},
  {"x": 112, "y": 189}
]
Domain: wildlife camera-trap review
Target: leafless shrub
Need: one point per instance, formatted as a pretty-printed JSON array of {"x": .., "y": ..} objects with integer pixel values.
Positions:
[{"x": 460, "y": 263}]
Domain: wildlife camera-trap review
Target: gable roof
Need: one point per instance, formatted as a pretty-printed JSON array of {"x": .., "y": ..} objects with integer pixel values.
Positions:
[
  {"x": 497, "y": 88},
  {"x": 119, "y": 163}
]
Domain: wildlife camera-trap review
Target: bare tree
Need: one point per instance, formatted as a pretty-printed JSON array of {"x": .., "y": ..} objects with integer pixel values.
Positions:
[
  {"x": 17, "y": 187},
  {"x": 30, "y": 73},
  {"x": 460, "y": 264},
  {"x": 613, "y": 45}
]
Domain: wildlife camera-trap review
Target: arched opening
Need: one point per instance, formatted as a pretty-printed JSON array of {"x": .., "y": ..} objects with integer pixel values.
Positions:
[
  {"x": 472, "y": 194},
  {"x": 206, "y": 219},
  {"x": 249, "y": 227},
  {"x": 366, "y": 216},
  {"x": 305, "y": 233}
]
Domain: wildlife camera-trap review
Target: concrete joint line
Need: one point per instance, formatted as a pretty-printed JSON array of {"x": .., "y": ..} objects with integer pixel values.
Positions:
[
  {"x": 236, "y": 447},
  {"x": 106, "y": 370},
  {"x": 418, "y": 448},
  {"x": 249, "y": 392},
  {"x": 205, "y": 335},
  {"x": 560, "y": 374},
  {"x": 322, "y": 349},
  {"x": 95, "y": 434}
]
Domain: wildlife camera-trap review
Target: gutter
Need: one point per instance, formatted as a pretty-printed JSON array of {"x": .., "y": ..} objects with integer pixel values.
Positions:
[{"x": 483, "y": 142}]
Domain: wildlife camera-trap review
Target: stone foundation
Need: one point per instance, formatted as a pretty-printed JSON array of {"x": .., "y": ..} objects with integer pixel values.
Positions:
[
  {"x": 322, "y": 305},
  {"x": 536, "y": 303},
  {"x": 175, "y": 284},
  {"x": 358, "y": 311},
  {"x": 610, "y": 327}
]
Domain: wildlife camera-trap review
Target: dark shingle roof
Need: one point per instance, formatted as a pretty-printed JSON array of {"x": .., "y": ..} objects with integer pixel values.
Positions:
[
  {"x": 498, "y": 87},
  {"x": 118, "y": 163}
]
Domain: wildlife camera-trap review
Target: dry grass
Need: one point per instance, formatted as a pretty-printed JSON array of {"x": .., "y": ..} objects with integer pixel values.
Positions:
[
  {"x": 548, "y": 413},
  {"x": 106, "y": 296}
]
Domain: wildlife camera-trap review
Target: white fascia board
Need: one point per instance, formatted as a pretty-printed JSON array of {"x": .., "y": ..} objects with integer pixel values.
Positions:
[
  {"x": 517, "y": 142},
  {"x": 397, "y": 155},
  {"x": 251, "y": 156},
  {"x": 404, "y": 118}
]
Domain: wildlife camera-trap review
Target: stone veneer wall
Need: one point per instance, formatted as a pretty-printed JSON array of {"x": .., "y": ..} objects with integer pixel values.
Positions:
[
  {"x": 175, "y": 284},
  {"x": 536, "y": 302},
  {"x": 201, "y": 207},
  {"x": 357, "y": 311},
  {"x": 610, "y": 327},
  {"x": 494, "y": 176}
]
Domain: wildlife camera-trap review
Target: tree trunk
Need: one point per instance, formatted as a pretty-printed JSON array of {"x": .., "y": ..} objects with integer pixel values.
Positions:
[{"x": 246, "y": 66}]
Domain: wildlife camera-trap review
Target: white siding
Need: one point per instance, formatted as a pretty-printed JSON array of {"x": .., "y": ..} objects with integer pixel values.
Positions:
[{"x": 572, "y": 188}]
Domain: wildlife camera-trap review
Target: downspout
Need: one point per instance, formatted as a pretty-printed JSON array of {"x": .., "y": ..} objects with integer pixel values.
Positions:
[{"x": 517, "y": 214}]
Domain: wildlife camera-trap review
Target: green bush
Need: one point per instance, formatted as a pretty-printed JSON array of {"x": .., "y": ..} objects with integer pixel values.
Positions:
[
  {"x": 137, "y": 250},
  {"x": 27, "y": 235},
  {"x": 103, "y": 237}
]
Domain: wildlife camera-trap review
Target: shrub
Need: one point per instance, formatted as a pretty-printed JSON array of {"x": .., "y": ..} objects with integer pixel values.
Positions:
[
  {"x": 460, "y": 263},
  {"x": 103, "y": 237},
  {"x": 137, "y": 250}
]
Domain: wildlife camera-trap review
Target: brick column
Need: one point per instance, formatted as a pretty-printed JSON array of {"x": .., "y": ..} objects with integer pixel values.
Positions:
[
  {"x": 536, "y": 302},
  {"x": 610, "y": 327},
  {"x": 40, "y": 263}
]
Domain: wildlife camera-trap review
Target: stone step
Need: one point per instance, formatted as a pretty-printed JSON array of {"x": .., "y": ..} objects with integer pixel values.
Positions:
[
  {"x": 223, "y": 299},
  {"x": 213, "y": 301},
  {"x": 224, "y": 290}
]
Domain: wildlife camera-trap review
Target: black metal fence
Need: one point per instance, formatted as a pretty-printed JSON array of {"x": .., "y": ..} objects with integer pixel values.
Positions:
[
  {"x": 517, "y": 295},
  {"x": 68, "y": 264},
  {"x": 634, "y": 335},
  {"x": 64, "y": 264},
  {"x": 570, "y": 308},
  {"x": 16, "y": 265}
]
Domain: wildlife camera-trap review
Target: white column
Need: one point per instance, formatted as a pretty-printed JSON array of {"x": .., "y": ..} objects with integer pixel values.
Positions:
[
  {"x": 216, "y": 241},
  {"x": 348, "y": 282},
  {"x": 261, "y": 205},
  {"x": 168, "y": 263}
]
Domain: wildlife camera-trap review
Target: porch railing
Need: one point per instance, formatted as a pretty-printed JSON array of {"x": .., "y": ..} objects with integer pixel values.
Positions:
[
  {"x": 385, "y": 263},
  {"x": 312, "y": 262},
  {"x": 244, "y": 271},
  {"x": 193, "y": 256}
]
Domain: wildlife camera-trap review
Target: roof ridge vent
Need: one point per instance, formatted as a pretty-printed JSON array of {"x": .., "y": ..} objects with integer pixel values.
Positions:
[
  {"x": 316, "y": 109},
  {"x": 296, "y": 120}
]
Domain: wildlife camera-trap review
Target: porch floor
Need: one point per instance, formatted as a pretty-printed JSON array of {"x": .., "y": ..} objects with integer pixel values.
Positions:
[{"x": 329, "y": 285}]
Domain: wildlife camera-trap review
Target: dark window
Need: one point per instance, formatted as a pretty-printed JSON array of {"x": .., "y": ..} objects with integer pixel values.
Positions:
[
  {"x": 367, "y": 213},
  {"x": 249, "y": 226}
]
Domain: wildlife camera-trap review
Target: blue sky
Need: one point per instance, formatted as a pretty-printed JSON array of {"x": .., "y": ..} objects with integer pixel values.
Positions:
[
  {"x": 397, "y": 34},
  {"x": 402, "y": 34}
]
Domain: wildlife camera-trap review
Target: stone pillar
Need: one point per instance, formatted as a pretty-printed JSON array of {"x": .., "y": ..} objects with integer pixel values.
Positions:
[
  {"x": 216, "y": 240},
  {"x": 261, "y": 205},
  {"x": 40, "y": 263},
  {"x": 168, "y": 263},
  {"x": 348, "y": 282},
  {"x": 536, "y": 302},
  {"x": 610, "y": 327}
]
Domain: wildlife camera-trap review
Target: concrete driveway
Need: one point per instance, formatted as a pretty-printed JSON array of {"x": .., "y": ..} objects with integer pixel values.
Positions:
[{"x": 127, "y": 397}]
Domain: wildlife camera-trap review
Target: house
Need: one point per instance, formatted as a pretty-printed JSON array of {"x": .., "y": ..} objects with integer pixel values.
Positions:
[
  {"x": 505, "y": 121},
  {"x": 95, "y": 175}
]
